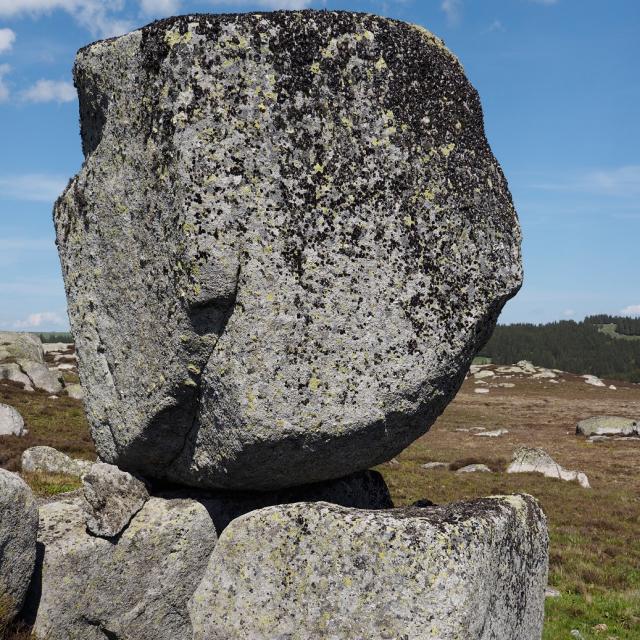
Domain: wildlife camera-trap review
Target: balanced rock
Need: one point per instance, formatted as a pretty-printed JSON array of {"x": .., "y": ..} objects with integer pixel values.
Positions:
[
  {"x": 287, "y": 242},
  {"x": 535, "y": 460},
  {"x": 11, "y": 422},
  {"x": 608, "y": 426},
  {"x": 112, "y": 498},
  {"x": 466, "y": 570},
  {"x": 18, "y": 531},
  {"x": 49, "y": 460},
  {"x": 89, "y": 588}
]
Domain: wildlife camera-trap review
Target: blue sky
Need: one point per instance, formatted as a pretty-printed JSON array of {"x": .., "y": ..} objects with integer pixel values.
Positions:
[{"x": 559, "y": 82}]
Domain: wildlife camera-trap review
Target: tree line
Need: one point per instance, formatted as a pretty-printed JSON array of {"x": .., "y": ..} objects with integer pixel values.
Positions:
[
  {"x": 625, "y": 326},
  {"x": 577, "y": 347}
]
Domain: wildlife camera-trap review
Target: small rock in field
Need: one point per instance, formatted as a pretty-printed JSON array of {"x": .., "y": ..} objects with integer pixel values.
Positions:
[
  {"x": 486, "y": 373},
  {"x": 493, "y": 434},
  {"x": 50, "y": 460},
  {"x": 473, "y": 468},
  {"x": 435, "y": 465},
  {"x": 594, "y": 381},
  {"x": 535, "y": 460},
  {"x": 608, "y": 426},
  {"x": 481, "y": 390},
  {"x": 11, "y": 422},
  {"x": 551, "y": 592}
]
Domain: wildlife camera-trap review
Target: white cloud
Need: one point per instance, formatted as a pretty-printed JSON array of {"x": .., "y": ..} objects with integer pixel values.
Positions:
[
  {"x": 95, "y": 15},
  {"x": 452, "y": 9},
  {"x": 631, "y": 310},
  {"x": 7, "y": 38},
  {"x": 269, "y": 4},
  {"x": 36, "y": 320},
  {"x": 285, "y": 4},
  {"x": 620, "y": 182},
  {"x": 568, "y": 313},
  {"x": 4, "y": 89},
  {"x": 50, "y": 91},
  {"x": 160, "y": 7},
  {"x": 34, "y": 187},
  {"x": 496, "y": 25}
]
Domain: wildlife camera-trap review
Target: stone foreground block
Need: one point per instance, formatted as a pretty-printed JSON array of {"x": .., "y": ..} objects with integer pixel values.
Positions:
[
  {"x": 18, "y": 530},
  {"x": 466, "y": 571},
  {"x": 134, "y": 587},
  {"x": 287, "y": 241}
]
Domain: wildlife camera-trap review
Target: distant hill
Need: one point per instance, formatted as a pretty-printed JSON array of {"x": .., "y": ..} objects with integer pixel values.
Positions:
[{"x": 606, "y": 346}]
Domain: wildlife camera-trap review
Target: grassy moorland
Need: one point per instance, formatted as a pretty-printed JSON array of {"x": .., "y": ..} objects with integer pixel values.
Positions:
[{"x": 595, "y": 541}]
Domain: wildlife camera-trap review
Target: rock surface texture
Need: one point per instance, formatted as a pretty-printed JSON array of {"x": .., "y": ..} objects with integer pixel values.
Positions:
[
  {"x": 133, "y": 588},
  {"x": 534, "y": 460},
  {"x": 112, "y": 498},
  {"x": 11, "y": 422},
  {"x": 21, "y": 346},
  {"x": 51, "y": 460},
  {"x": 18, "y": 531},
  {"x": 608, "y": 426},
  {"x": 264, "y": 196},
  {"x": 474, "y": 570}
]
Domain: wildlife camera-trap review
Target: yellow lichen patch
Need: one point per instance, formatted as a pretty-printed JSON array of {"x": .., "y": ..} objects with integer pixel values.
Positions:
[
  {"x": 318, "y": 168},
  {"x": 314, "y": 383},
  {"x": 380, "y": 64},
  {"x": 315, "y": 68},
  {"x": 174, "y": 37},
  {"x": 446, "y": 149},
  {"x": 368, "y": 35},
  {"x": 408, "y": 221},
  {"x": 194, "y": 369}
]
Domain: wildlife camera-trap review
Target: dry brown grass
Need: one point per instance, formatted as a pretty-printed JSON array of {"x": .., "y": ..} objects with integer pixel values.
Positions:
[{"x": 57, "y": 423}]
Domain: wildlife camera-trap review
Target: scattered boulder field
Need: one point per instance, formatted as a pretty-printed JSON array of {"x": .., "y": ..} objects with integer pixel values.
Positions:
[
  {"x": 263, "y": 196},
  {"x": 25, "y": 360}
]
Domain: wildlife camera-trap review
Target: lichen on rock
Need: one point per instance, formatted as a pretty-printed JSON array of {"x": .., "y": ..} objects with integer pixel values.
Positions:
[
  {"x": 288, "y": 239},
  {"x": 473, "y": 570}
]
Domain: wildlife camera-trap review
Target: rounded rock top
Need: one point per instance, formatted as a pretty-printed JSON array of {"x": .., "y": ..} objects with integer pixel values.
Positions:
[{"x": 287, "y": 242}]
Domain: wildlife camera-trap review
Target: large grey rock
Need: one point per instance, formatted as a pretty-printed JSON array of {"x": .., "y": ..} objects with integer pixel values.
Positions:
[
  {"x": 50, "y": 460},
  {"x": 608, "y": 426},
  {"x": 12, "y": 371},
  {"x": 18, "y": 530},
  {"x": 21, "y": 346},
  {"x": 287, "y": 242},
  {"x": 535, "y": 460},
  {"x": 112, "y": 498},
  {"x": 362, "y": 490},
  {"x": 473, "y": 570},
  {"x": 11, "y": 422},
  {"x": 133, "y": 588},
  {"x": 40, "y": 376}
]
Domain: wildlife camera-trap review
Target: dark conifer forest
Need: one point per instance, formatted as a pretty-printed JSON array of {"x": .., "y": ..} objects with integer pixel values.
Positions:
[{"x": 606, "y": 346}]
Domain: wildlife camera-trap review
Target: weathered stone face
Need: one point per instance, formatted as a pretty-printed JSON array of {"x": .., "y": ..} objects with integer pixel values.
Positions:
[
  {"x": 18, "y": 531},
  {"x": 287, "y": 242},
  {"x": 469, "y": 570}
]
